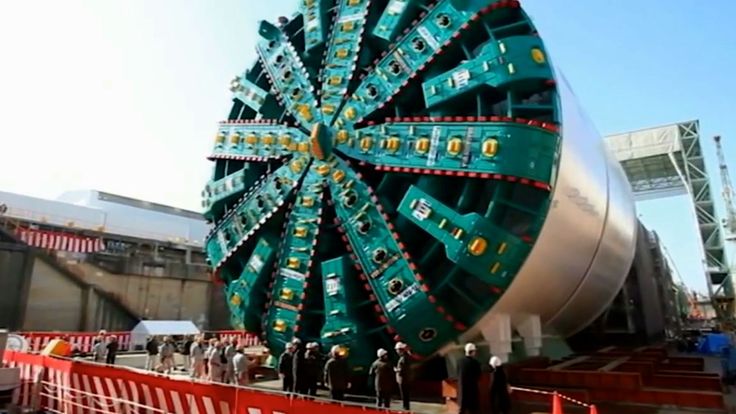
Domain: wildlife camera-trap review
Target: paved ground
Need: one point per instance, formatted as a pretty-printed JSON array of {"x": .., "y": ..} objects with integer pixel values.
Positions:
[{"x": 712, "y": 365}]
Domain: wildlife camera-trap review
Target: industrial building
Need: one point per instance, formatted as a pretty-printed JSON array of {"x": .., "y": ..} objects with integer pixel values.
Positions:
[{"x": 91, "y": 260}]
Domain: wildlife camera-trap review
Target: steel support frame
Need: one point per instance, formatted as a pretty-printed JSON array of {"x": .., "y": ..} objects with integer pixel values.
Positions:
[{"x": 690, "y": 164}]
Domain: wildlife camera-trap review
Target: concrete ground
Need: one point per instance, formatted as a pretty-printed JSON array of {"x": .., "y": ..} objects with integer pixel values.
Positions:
[{"x": 712, "y": 365}]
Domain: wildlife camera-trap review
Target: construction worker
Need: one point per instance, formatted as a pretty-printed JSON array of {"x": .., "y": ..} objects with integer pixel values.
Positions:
[
  {"x": 403, "y": 374},
  {"x": 468, "y": 395},
  {"x": 216, "y": 360},
  {"x": 240, "y": 366},
  {"x": 230, "y": 351},
  {"x": 166, "y": 355},
  {"x": 311, "y": 369},
  {"x": 383, "y": 373},
  {"x": 298, "y": 367},
  {"x": 151, "y": 352},
  {"x": 500, "y": 388},
  {"x": 286, "y": 367},
  {"x": 337, "y": 374},
  {"x": 197, "y": 355}
]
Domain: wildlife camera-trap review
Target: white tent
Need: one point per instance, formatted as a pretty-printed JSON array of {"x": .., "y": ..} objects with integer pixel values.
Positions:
[{"x": 144, "y": 329}]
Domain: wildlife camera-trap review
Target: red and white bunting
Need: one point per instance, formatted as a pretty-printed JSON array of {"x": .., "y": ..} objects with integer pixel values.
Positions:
[{"x": 54, "y": 240}]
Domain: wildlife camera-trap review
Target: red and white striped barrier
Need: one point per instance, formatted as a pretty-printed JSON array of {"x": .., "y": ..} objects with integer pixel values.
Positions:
[
  {"x": 243, "y": 338},
  {"x": 55, "y": 240},
  {"x": 82, "y": 341},
  {"x": 557, "y": 399},
  {"x": 72, "y": 387}
]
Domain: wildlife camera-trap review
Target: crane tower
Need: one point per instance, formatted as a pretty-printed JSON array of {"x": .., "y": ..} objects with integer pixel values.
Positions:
[
  {"x": 727, "y": 294},
  {"x": 730, "y": 221}
]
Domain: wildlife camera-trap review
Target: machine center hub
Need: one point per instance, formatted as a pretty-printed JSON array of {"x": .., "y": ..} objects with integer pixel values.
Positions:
[{"x": 320, "y": 141}]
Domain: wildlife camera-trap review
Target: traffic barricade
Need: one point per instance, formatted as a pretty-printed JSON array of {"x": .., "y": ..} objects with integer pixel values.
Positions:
[{"x": 73, "y": 387}]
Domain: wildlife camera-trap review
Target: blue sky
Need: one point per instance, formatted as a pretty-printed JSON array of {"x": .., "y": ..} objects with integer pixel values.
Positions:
[{"x": 124, "y": 96}]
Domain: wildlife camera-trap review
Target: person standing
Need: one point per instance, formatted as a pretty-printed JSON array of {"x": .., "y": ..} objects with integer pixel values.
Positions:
[
  {"x": 112, "y": 351},
  {"x": 403, "y": 374},
  {"x": 98, "y": 351},
  {"x": 298, "y": 367},
  {"x": 383, "y": 374},
  {"x": 500, "y": 389},
  {"x": 240, "y": 366},
  {"x": 102, "y": 335},
  {"x": 216, "y": 360},
  {"x": 151, "y": 352},
  {"x": 230, "y": 351},
  {"x": 468, "y": 394},
  {"x": 311, "y": 369},
  {"x": 166, "y": 354},
  {"x": 186, "y": 352},
  {"x": 337, "y": 374},
  {"x": 286, "y": 368},
  {"x": 197, "y": 356}
]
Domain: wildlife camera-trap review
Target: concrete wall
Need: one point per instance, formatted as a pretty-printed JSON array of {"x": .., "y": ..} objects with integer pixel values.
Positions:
[
  {"x": 219, "y": 311},
  {"x": 15, "y": 268},
  {"x": 54, "y": 301},
  {"x": 104, "y": 314},
  {"x": 152, "y": 297},
  {"x": 38, "y": 292},
  {"x": 57, "y": 301}
]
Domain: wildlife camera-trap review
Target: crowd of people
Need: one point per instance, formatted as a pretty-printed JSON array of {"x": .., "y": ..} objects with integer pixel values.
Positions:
[
  {"x": 301, "y": 370},
  {"x": 216, "y": 360}
]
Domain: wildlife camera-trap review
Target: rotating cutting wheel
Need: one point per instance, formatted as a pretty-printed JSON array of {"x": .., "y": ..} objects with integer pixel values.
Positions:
[{"x": 383, "y": 173}]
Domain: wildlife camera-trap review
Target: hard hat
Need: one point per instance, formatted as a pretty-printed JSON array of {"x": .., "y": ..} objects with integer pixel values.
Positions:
[
  {"x": 400, "y": 345},
  {"x": 296, "y": 341},
  {"x": 495, "y": 362},
  {"x": 470, "y": 347},
  {"x": 382, "y": 352},
  {"x": 335, "y": 350},
  {"x": 312, "y": 345}
]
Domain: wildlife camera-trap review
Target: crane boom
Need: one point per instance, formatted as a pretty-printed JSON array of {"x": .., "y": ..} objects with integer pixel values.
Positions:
[{"x": 727, "y": 189}]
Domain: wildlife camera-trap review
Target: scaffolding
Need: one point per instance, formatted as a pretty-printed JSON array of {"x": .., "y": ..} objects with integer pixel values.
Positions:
[{"x": 668, "y": 161}]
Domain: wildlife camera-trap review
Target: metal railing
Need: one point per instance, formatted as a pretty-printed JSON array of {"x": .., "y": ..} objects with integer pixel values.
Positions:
[{"x": 79, "y": 224}]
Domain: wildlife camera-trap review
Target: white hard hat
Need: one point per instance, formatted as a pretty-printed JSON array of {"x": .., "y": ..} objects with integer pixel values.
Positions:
[
  {"x": 495, "y": 362},
  {"x": 296, "y": 341},
  {"x": 312, "y": 345},
  {"x": 470, "y": 347},
  {"x": 400, "y": 345},
  {"x": 335, "y": 350},
  {"x": 382, "y": 352}
]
